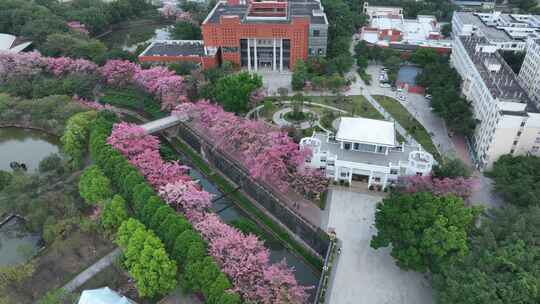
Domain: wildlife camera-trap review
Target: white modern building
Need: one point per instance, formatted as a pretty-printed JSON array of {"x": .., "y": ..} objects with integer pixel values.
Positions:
[
  {"x": 507, "y": 32},
  {"x": 388, "y": 28},
  {"x": 365, "y": 150},
  {"x": 529, "y": 75},
  {"x": 509, "y": 121}
]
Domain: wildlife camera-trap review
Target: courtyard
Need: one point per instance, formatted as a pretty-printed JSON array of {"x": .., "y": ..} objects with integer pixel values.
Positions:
[{"x": 362, "y": 274}]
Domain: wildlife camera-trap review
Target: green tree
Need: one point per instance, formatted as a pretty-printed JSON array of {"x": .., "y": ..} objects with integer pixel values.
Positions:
[
  {"x": 76, "y": 46},
  {"x": 185, "y": 30},
  {"x": 517, "y": 179},
  {"x": 425, "y": 56},
  {"x": 299, "y": 76},
  {"x": 114, "y": 213},
  {"x": 94, "y": 186},
  {"x": 155, "y": 273},
  {"x": 75, "y": 138},
  {"x": 426, "y": 232},
  {"x": 503, "y": 265},
  {"x": 233, "y": 91},
  {"x": 451, "y": 167},
  {"x": 446, "y": 29}
]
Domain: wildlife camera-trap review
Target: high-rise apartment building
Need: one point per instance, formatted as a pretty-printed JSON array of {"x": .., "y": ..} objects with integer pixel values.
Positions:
[
  {"x": 508, "y": 120},
  {"x": 529, "y": 74}
]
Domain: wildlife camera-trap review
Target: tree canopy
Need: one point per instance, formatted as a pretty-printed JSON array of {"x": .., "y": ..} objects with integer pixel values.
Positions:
[
  {"x": 517, "y": 179},
  {"x": 503, "y": 265},
  {"x": 94, "y": 186},
  {"x": 185, "y": 30},
  {"x": 426, "y": 232},
  {"x": 234, "y": 91}
]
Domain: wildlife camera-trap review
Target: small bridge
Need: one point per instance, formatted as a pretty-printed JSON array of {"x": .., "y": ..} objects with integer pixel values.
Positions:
[{"x": 161, "y": 124}]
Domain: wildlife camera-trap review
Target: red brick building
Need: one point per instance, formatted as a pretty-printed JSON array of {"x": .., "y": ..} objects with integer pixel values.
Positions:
[{"x": 255, "y": 35}]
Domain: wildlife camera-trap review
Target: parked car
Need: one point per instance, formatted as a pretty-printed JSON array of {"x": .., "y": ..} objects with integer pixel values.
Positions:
[
  {"x": 384, "y": 85},
  {"x": 402, "y": 97},
  {"x": 428, "y": 96},
  {"x": 400, "y": 89}
]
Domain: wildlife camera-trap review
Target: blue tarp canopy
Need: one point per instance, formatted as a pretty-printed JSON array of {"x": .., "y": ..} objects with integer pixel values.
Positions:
[{"x": 102, "y": 296}]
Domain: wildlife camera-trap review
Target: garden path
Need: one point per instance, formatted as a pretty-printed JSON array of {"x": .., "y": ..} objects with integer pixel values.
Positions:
[{"x": 89, "y": 272}]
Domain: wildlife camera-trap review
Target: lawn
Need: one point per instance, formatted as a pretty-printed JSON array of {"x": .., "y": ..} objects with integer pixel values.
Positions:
[{"x": 412, "y": 125}]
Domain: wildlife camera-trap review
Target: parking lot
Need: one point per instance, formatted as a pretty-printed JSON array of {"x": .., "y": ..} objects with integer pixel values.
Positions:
[{"x": 364, "y": 275}]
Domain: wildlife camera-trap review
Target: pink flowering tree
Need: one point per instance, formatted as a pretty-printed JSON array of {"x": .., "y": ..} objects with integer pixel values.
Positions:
[
  {"x": 131, "y": 140},
  {"x": 21, "y": 65},
  {"x": 242, "y": 257},
  {"x": 171, "y": 91},
  {"x": 78, "y": 27},
  {"x": 460, "y": 186},
  {"x": 65, "y": 65},
  {"x": 269, "y": 154},
  {"x": 168, "y": 10},
  {"x": 118, "y": 73}
]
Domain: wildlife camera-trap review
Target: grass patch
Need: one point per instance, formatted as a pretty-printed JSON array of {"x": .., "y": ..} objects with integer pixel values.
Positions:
[
  {"x": 246, "y": 204},
  {"x": 408, "y": 122}
]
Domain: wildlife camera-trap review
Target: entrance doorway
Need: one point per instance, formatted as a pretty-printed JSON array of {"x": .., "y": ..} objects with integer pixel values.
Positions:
[{"x": 360, "y": 178}]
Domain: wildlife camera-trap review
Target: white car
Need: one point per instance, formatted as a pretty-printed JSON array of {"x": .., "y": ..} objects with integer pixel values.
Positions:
[
  {"x": 428, "y": 96},
  {"x": 402, "y": 97},
  {"x": 384, "y": 85}
]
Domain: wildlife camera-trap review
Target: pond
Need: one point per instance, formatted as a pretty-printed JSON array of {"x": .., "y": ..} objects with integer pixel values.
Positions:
[
  {"x": 137, "y": 33},
  {"x": 407, "y": 74},
  {"x": 25, "y": 146},
  {"x": 17, "y": 245}
]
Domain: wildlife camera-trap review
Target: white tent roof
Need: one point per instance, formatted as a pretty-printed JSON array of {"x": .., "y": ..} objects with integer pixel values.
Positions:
[
  {"x": 364, "y": 130},
  {"x": 102, "y": 296},
  {"x": 6, "y": 44}
]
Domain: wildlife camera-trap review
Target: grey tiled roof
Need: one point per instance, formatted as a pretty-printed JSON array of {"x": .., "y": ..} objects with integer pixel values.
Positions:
[{"x": 176, "y": 48}]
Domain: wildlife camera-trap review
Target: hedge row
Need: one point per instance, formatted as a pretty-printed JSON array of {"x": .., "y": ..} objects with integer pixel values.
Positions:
[{"x": 182, "y": 243}]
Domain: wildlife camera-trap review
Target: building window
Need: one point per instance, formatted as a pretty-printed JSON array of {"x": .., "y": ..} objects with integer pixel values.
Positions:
[
  {"x": 523, "y": 124},
  {"x": 347, "y": 146},
  {"x": 323, "y": 159},
  {"x": 394, "y": 171},
  {"x": 535, "y": 149},
  {"x": 344, "y": 174},
  {"x": 519, "y": 133},
  {"x": 308, "y": 160},
  {"x": 515, "y": 142},
  {"x": 316, "y": 33},
  {"x": 356, "y": 146},
  {"x": 512, "y": 151}
]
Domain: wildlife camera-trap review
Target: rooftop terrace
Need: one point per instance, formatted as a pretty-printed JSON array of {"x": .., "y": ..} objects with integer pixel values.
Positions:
[
  {"x": 175, "y": 48},
  {"x": 394, "y": 155},
  {"x": 295, "y": 8},
  {"x": 496, "y": 74}
]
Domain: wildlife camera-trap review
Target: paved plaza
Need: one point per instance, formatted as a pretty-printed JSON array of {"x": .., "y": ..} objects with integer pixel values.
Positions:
[{"x": 364, "y": 275}]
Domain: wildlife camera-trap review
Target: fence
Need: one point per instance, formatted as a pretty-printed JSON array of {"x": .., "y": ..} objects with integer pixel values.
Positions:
[{"x": 273, "y": 202}]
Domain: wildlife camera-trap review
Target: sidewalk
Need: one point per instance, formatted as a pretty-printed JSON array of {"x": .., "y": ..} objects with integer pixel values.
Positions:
[{"x": 87, "y": 274}]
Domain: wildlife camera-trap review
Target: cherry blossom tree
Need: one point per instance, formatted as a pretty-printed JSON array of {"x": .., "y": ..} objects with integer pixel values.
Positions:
[
  {"x": 65, "y": 65},
  {"x": 267, "y": 153},
  {"x": 460, "y": 186},
  {"x": 131, "y": 140},
  {"x": 118, "y": 72},
  {"x": 21, "y": 65}
]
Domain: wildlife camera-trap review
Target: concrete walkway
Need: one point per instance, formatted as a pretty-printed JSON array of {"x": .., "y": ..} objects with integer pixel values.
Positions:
[
  {"x": 87, "y": 274},
  {"x": 362, "y": 274}
]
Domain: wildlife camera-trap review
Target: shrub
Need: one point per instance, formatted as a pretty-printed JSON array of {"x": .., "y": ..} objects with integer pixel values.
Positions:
[{"x": 94, "y": 186}]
